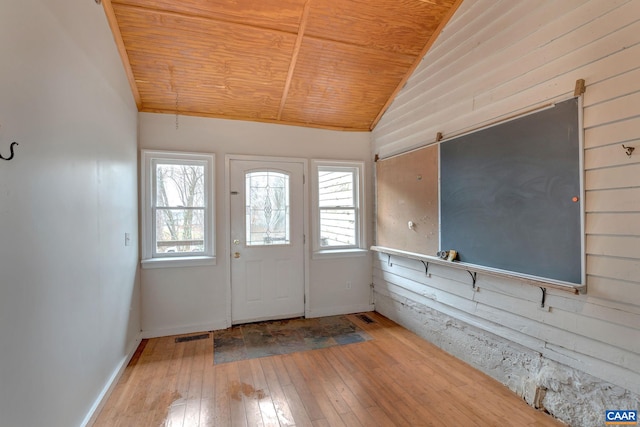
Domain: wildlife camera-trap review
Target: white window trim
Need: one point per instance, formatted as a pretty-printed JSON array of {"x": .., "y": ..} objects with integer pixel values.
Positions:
[
  {"x": 146, "y": 207},
  {"x": 360, "y": 249}
]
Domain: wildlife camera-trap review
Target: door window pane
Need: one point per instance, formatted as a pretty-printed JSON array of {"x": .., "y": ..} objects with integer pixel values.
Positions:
[{"x": 267, "y": 208}]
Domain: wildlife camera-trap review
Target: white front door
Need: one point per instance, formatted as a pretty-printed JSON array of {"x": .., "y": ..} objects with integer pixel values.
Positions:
[{"x": 267, "y": 240}]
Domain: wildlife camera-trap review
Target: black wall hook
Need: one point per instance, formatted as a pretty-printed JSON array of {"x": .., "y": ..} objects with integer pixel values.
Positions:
[
  {"x": 11, "y": 150},
  {"x": 629, "y": 150}
]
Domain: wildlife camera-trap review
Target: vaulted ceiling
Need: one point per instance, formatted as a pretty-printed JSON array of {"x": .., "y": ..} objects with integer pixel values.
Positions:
[{"x": 321, "y": 63}]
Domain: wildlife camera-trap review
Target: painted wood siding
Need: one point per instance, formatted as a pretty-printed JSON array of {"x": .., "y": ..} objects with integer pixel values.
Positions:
[{"x": 493, "y": 60}]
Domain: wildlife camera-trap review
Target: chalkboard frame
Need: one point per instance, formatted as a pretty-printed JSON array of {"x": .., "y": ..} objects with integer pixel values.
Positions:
[{"x": 451, "y": 240}]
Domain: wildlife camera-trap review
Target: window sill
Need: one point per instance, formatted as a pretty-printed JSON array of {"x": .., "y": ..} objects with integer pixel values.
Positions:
[
  {"x": 339, "y": 253},
  {"x": 169, "y": 262}
]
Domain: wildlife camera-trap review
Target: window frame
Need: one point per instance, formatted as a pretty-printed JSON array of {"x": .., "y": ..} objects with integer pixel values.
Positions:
[
  {"x": 359, "y": 248},
  {"x": 148, "y": 161}
]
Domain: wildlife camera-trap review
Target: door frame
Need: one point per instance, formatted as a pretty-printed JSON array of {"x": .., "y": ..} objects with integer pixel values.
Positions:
[{"x": 227, "y": 213}]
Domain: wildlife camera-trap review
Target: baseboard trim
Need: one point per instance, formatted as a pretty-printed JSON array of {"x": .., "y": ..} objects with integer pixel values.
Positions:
[
  {"x": 102, "y": 398},
  {"x": 334, "y": 311},
  {"x": 156, "y": 333}
]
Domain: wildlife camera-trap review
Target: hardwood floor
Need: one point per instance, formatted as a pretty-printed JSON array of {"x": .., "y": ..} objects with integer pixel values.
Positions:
[{"x": 396, "y": 379}]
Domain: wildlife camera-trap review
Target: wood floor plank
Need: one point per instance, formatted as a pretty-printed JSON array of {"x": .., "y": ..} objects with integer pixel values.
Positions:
[
  {"x": 247, "y": 391},
  {"x": 237, "y": 404},
  {"x": 263, "y": 395},
  {"x": 345, "y": 372},
  {"x": 222, "y": 406},
  {"x": 329, "y": 404},
  {"x": 302, "y": 389},
  {"x": 276, "y": 393},
  {"x": 298, "y": 410},
  {"x": 395, "y": 379}
]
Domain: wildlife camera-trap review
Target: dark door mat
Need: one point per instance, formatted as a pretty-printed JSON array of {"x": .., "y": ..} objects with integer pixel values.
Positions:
[{"x": 264, "y": 339}]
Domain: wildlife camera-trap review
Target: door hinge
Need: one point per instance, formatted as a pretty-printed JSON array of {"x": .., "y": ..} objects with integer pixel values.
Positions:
[
  {"x": 304, "y": 239},
  {"x": 304, "y": 179}
]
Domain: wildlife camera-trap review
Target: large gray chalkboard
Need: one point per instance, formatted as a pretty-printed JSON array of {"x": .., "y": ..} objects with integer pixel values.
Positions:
[{"x": 507, "y": 195}]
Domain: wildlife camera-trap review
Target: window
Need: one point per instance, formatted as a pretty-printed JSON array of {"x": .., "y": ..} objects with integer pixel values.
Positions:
[
  {"x": 177, "y": 208},
  {"x": 338, "y": 212},
  {"x": 267, "y": 208}
]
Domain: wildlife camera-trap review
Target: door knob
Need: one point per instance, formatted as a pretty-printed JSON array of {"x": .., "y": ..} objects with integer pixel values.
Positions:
[
  {"x": 236, "y": 255},
  {"x": 236, "y": 242}
]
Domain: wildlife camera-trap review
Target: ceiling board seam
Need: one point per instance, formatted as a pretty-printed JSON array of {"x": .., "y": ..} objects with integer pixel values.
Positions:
[
  {"x": 122, "y": 50},
  {"x": 294, "y": 57},
  {"x": 208, "y": 19},
  {"x": 410, "y": 71}
]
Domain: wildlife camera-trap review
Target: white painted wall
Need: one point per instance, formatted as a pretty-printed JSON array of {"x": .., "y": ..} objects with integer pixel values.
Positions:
[
  {"x": 69, "y": 294},
  {"x": 189, "y": 299},
  {"x": 495, "y": 59}
]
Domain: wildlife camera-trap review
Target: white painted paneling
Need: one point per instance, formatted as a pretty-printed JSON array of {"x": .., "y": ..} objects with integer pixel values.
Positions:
[
  {"x": 495, "y": 60},
  {"x": 622, "y": 132},
  {"x": 625, "y": 224},
  {"x": 618, "y": 246},
  {"x": 69, "y": 292},
  {"x": 177, "y": 300},
  {"x": 615, "y": 177},
  {"x": 619, "y": 200},
  {"x": 615, "y": 290}
]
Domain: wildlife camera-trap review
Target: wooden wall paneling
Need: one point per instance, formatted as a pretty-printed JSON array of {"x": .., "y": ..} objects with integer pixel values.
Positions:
[
  {"x": 520, "y": 73},
  {"x": 596, "y": 41},
  {"x": 429, "y": 43},
  {"x": 618, "y": 200},
  {"x": 607, "y": 156},
  {"x": 624, "y": 131},
  {"x": 614, "y": 290},
  {"x": 519, "y": 326},
  {"x": 468, "y": 66},
  {"x": 614, "y": 177},
  {"x": 407, "y": 190},
  {"x": 433, "y": 289},
  {"x": 456, "y": 56},
  {"x": 623, "y": 224},
  {"x": 494, "y": 326},
  {"x": 616, "y": 109},
  {"x": 616, "y": 246},
  {"x": 584, "y": 45},
  {"x": 614, "y": 268},
  {"x": 613, "y": 87}
]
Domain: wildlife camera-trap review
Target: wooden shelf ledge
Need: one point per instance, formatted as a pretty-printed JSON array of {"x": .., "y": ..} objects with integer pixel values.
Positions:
[{"x": 530, "y": 280}]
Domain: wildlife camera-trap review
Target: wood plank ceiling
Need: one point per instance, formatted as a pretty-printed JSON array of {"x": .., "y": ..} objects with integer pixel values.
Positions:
[{"x": 320, "y": 63}]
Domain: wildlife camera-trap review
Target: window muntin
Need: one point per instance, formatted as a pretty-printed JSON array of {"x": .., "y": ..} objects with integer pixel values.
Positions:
[
  {"x": 338, "y": 192},
  {"x": 267, "y": 213}
]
